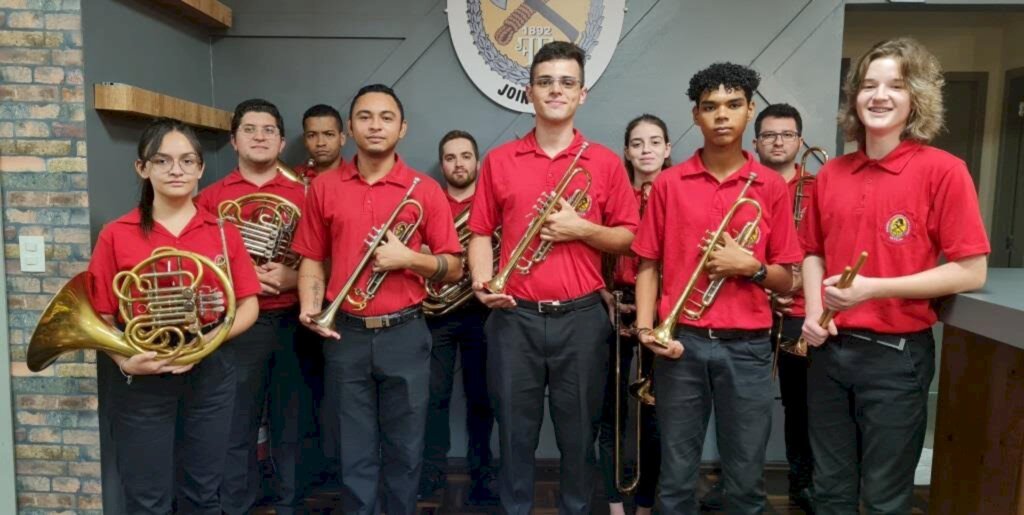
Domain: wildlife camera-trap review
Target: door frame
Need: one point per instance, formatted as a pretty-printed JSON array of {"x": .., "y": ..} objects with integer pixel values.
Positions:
[
  {"x": 981, "y": 80},
  {"x": 8, "y": 487},
  {"x": 1002, "y": 209}
]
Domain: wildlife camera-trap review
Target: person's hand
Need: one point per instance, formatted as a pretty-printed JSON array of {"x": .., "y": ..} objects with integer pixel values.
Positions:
[
  {"x": 860, "y": 289},
  {"x": 147, "y": 364},
  {"x": 813, "y": 333},
  {"x": 492, "y": 300},
  {"x": 784, "y": 304},
  {"x": 276, "y": 278},
  {"x": 731, "y": 260},
  {"x": 565, "y": 224},
  {"x": 306, "y": 319},
  {"x": 673, "y": 351},
  {"x": 391, "y": 254}
]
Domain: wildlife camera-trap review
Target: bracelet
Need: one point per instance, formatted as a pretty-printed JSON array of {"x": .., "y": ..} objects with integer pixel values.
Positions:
[
  {"x": 442, "y": 269},
  {"x": 127, "y": 376}
]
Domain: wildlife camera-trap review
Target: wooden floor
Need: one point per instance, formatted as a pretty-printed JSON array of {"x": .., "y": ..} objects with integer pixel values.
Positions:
[{"x": 451, "y": 500}]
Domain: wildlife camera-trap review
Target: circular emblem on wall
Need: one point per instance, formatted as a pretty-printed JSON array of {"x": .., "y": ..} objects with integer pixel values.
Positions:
[
  {"x": 495, "y": 40},
  {"x": 898, "y": 227}
]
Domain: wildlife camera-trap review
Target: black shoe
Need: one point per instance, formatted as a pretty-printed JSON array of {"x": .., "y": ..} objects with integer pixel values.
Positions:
[
  {"x": 714, "y": 499},
  {"x": 484, "y": 491},
  {"x": 804, "y": 499},
  {"x": 430, "y": 483}
]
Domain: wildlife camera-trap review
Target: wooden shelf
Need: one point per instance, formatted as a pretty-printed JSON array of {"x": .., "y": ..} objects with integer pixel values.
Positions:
[
  {"x": 210, "y": 13},
  {"x": 123, "y": 98}
]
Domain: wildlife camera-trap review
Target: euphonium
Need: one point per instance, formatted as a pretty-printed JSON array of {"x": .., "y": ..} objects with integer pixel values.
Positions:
[
  {"x": 443, "y": 298},
  {"x": 546, "y": 205},
  {"x": 746, "y": 238},
  {"x": 803, "y": 179},
  {"x": 163, "y": 301},
  {"x": 357, "y": 297}
]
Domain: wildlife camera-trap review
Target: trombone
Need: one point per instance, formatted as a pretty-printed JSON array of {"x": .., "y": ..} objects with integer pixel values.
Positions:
[{"x": 640, "y": 390}]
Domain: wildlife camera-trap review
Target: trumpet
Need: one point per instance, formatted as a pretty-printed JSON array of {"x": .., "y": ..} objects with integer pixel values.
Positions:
[
  {"x": 546, "y": 205},
  {"x": 444, "y": 298},
  {"x": 746, "y": 238},
  {"x": 163, "y": 300},
  {"x": 802, "y": 179},
  {"x": 845, "y": 280},
  {"x": 355, "y": 296}
]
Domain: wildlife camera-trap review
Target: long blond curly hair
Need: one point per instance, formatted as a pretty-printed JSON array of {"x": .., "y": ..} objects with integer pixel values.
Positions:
[{"x": 922, "y": 75}]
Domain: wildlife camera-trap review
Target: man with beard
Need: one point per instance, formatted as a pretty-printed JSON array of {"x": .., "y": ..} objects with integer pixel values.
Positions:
[
  {"x": 378, "y": 377},
  {"x": 461, "y": 329},
  {"x": 323, "y": 138},
  {"x": 265, "y": 357}
]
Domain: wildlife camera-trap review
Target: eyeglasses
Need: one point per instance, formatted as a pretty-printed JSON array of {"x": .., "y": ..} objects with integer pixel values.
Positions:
[
  {"x": 545, "y": 82},
  {"x": 268, "y": 131},
  {"x": 189, "y": 163},
  {"x": 771, "y": 137}
]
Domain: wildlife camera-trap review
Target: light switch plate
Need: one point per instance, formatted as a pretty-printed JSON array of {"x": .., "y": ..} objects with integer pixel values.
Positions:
[{"x": 33, "y": 253}]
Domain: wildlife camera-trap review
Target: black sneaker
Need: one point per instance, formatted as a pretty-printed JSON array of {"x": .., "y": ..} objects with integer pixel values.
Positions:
[
  {"x": 430, "y": 483},
  {"x": 804, "y": 499},
  {"x": 484, "y": 491},
  {"x": 714, "y": 499}
]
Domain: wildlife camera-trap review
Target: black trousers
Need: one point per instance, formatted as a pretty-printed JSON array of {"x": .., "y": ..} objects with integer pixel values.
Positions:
[
  {"x": 378, "y": 383},
  {"x": 566, "y": 354},
  {"x": 868, "y": 413},
  {"x": 163, "y": 422},
  {"x": 462, "y": 331},
  {"x": 734, "y": 376},
  {"x": 793, "y": 387},
  {"x": 650, "y": 440},
  {"x": 266, "y": 362}
]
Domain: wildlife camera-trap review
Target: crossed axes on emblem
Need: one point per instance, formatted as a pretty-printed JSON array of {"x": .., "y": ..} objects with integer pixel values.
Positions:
[{"x": 518, "y": 18}]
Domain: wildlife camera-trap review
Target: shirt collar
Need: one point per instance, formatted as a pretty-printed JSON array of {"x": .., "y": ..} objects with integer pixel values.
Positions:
[
  {"x": 236, "y": 177},
  {"x": 894, "y": 162},
  {"x": 528, "y": 144},
  {"x": 695, "y": 166},
  {"x": 202, "y": 217},
  {"x": 457, "y": 201},
  {"x": 399, "y": 174}
]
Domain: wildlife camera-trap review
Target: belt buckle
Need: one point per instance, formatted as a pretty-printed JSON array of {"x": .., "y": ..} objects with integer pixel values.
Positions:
[
  {"x": 898, "y": 346},
  {"x": 377, "y": 322},
  {"x": 711, "y": 334},
  {"x": 547, "y": 303}
]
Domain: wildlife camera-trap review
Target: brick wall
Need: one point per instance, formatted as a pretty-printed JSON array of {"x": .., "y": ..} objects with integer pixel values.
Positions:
[{"x": 43, "y": 177}]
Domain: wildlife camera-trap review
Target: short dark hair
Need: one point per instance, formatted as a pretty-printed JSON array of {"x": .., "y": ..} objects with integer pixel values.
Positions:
[
  {"x": 256, "y": 105},
  {"x": 376, "y": 88},
  {"x": 457, "y": 134},
  {"x": 779, "y": 111},
  {"x": 557, "y": 50},
  {"x": 321, "y": 110},
  {"x": 732, "y": 76}
]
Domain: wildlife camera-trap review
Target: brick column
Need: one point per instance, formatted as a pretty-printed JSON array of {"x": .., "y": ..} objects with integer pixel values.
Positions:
[{"x": 43, "y": 175}]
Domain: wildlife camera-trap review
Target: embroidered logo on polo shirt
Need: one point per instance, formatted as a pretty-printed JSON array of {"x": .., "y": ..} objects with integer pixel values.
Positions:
[
  {"x": 898, "y": 227},
  {"x": 584, "y": 205}
]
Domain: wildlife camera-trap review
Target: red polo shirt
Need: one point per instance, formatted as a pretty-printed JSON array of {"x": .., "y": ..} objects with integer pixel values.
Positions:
[
  {"x": 904, "y": 210},
  {"x": 626, "y": 267},
  {"x": 797, "y": 308},
  {"x": 235, "y": 185},
  {"x": 122, "y": 245},
  {"x": 458, "y": 206},
  {"x": 687, "y": 201},
  {"x": 342, "y": 208},
  {"x": 309, "y": 172},
  {"x": 512, "y": 178}
]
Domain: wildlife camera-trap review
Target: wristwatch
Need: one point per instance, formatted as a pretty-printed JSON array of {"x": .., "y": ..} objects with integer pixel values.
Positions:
[{"x": 760, "y": 275}]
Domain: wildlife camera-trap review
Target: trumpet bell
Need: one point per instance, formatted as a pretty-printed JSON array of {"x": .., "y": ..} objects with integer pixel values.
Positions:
[
  {"x": 70, "y": 323},
  {"x": 641, "y": 391}
]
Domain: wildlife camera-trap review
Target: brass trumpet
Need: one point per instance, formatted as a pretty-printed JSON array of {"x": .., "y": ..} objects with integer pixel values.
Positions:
[
  {"x": 444, "y": 298},
  {"x": 546, "y": 205},
  {"x": 355, "y": 296},
  {"x": 162, "y": 301},
  {"x": 746, "y": 238}
]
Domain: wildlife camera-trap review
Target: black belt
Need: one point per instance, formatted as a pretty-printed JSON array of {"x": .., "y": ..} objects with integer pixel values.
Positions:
[
  {"x": 558, "y": 307},
  {"x": 896, "y": 341},
  {"x": 723, "y": 334},
  {"x": 380, "y": 321}
]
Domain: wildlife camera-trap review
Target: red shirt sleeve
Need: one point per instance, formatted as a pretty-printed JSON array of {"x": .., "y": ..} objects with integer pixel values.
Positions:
[
  {"x": 648, "y": 241},
  {"x": 956, "y": 223},
  {"x": 103, "y": 267},
  {"x": 783, "y": 243},
  {"x": 206, "y": 199},
  {"x": 243, "y": 274},
  {"x": 484, "y": 217},
  {"x": 811, "y": 238},
  {"x": 621, "y": 208},
  {"x": 311, "y": 238},
  {"x": 439, "y": 233}
]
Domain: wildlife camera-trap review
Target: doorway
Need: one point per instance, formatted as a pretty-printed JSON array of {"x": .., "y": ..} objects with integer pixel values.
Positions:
[{"x": 1008, "y": 222}]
